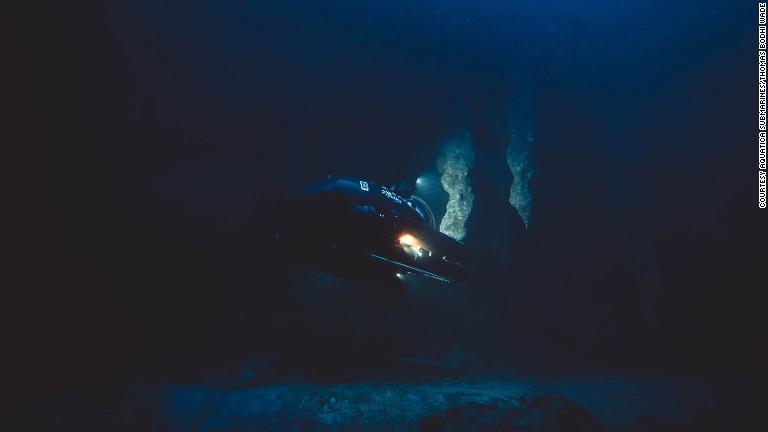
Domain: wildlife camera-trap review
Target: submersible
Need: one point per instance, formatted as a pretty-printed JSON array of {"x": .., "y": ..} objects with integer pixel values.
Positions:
[{"x": 360, "y": 227}]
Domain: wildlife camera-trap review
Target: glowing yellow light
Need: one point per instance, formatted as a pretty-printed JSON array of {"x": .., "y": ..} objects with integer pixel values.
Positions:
[
  {"x": 409, "y": 240},
  {"x": 413, "y": 247}
]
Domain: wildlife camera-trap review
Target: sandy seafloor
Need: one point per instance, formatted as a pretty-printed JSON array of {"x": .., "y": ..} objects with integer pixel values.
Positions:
[{"x": 526, "y": 404}]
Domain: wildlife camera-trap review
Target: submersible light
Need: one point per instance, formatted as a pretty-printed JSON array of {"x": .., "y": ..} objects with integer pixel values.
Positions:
[
  {"x": 412, "y": 246},
  {"x": 409, "y": 240}
]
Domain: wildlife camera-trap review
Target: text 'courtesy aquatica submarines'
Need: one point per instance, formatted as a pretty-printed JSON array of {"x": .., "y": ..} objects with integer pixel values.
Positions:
[
  {"x": 761, "y": 112},
  {"x": 761, "y": 106}
]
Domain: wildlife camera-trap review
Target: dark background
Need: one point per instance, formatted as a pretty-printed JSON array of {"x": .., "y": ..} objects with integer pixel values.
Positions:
[{"x": 149, "y": 141}]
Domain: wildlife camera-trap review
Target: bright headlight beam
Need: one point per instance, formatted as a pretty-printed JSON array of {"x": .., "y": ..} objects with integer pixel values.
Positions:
[
  {"x": 412, "y": 246},
  {"x": 409, "y": 240}
]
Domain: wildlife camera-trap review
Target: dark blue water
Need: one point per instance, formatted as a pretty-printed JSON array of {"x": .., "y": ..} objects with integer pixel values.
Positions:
[{"x": 163, "y": 133}]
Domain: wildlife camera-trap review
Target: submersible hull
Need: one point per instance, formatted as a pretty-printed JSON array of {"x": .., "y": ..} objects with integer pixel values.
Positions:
[{"x": 355, "y": 226}]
